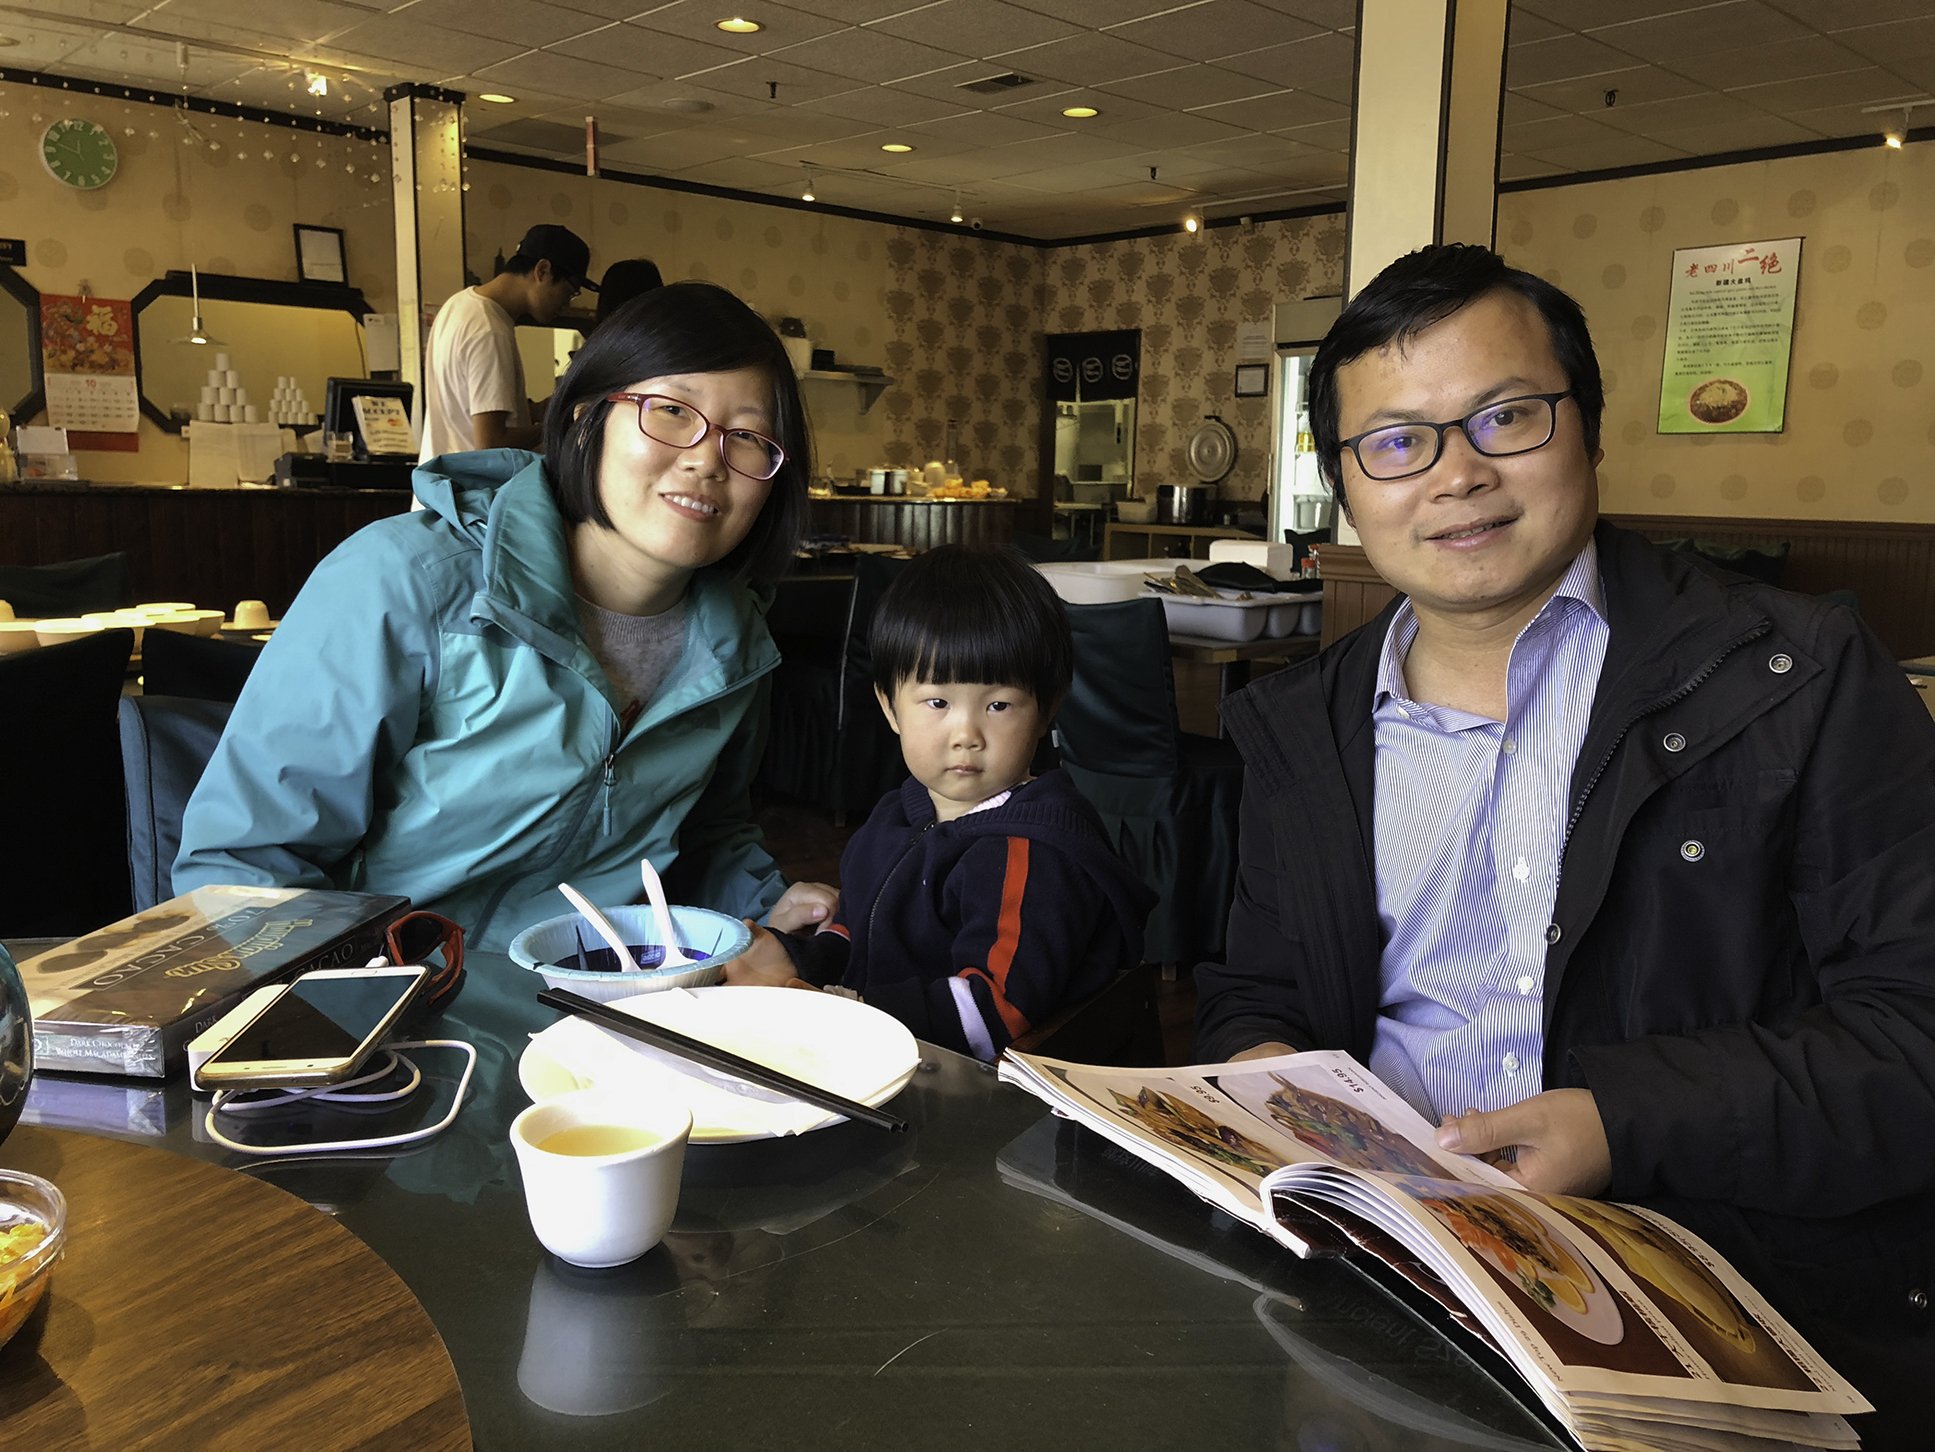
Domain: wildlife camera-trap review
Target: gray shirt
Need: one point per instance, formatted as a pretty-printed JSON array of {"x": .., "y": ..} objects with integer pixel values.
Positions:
[{"x": 638, "y": 652}]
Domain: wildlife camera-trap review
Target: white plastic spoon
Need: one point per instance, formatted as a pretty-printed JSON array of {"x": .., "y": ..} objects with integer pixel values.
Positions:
[
  {"x": 613, "y": 940},
  {"x": 655, "y": 890}
]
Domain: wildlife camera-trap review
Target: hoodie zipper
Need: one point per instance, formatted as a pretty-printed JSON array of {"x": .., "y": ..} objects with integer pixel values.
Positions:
[
  {"x": 913, "y": 842},
  {"x": 1672, "y": 698}
]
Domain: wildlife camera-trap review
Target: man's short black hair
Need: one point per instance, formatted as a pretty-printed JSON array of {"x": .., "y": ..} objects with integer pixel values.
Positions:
[
  {"x": 973, "y": 613},
  {"x": 1424, "y": 288},
  {"x": 688, "y": 327}
]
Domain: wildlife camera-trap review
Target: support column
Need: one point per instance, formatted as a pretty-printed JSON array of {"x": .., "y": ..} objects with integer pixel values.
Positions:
[
  {"x": 426, "y": 178},
  {"x": 1424, "y": 150},
  {"x": 1425, "y": 128}
]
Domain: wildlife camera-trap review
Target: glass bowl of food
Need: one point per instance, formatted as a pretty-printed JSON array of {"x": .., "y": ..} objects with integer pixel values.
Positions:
[{"x": 33, "y": 1232}]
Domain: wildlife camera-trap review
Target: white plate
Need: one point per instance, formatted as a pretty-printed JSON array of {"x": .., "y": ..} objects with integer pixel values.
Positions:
[{"x": 824, "y": 1039}]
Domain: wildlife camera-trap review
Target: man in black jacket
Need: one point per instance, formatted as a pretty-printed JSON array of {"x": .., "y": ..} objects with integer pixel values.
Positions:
[{"x": 1691, "y": 966}]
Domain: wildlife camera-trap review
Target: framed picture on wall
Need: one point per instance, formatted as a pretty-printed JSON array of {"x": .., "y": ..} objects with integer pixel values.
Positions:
[
  {"x": 1252, "y": 380},
  {"x": 319, "y": 254}
]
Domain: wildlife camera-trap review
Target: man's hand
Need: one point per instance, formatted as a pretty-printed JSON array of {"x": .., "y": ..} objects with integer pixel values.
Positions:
[
  {"x": 765, "y": 964},
  {"x": 803, "y": 905},
  {"x": 1559, "y": 1139},
  {"x": 1262, "y": 1051}
]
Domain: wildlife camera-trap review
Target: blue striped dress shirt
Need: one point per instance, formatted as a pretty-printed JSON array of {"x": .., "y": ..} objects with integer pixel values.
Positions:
[{"x": 1469, "y": 820}]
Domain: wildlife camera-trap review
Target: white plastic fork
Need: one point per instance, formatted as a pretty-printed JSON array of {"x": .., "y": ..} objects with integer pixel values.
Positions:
[
  {"x": 613, "y": 939},
  {"x": 661, "y": 911}
]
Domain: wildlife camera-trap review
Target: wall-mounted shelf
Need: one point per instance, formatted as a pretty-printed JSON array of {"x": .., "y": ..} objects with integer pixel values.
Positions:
[{"x": 871, "y": 385}]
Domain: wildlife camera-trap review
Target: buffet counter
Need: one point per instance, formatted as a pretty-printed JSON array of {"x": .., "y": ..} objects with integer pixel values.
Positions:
[
  {"x": 207, "y": 543},
  {"x": 918, "y": 523}
]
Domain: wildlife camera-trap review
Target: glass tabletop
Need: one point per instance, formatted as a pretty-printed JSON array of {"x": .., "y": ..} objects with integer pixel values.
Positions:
[{"x": 994, "y": 1276}]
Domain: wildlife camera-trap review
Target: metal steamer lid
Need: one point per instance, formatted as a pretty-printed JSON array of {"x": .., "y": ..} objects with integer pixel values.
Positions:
[{"x": 1212, "y": 449}]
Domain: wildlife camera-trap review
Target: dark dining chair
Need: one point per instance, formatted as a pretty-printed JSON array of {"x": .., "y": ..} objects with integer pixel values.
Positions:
[
  {"x": 71, "y": 587},
  {"x": 1120, "y": 1024},
  {"x": 166, "y": 742},
  {"x": 60, "y": 787},
  {"x": 1168, "y": 798},
  {"x": 175, "y": 663},
  {"x": 827, "y": 741}
]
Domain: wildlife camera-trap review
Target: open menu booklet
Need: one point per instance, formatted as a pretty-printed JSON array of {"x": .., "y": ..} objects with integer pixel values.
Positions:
[{"x": 1631, "y": 1330}]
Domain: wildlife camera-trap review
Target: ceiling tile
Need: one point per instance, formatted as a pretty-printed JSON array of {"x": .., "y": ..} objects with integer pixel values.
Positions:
[
  {"x": 1530, "y": 138},
  {"x": 1635, "y": 85},
  {"x": 1749, "y": 134},
  {"x": 1709, "y": 108},
  {"x": 394, "y": 37},
  {"x": 1586, "y": 14},
  {"x": 1520, "y": 107},
  {"x": 562, "y": 75},
  {"x": 1833, "y": 15},
  {"x": 853, "y": 12},
  {"x": 1842, "y": 121},
  {"x": 756, "y": 77},
  {"x": 298, "y": 20},
  {"x": 1326, "y": 14},
  {"x": 1255, "y": 153},
  {"x": 1779, "y": 60},
  {"x": 636, "y": 49},
  {"x": 1849, "y": 91},
  {"x": 1325, "y": 64},
  {"x": 978, "y": 28},
  {"x": 1216, "y": 28},
  {"x": 885, "y": 106},
  {"x": 1325, "y": 135},
  {"x": 868, "y": 55},
  {"x": 1089, "y": 59},
  {"x": 988, "y": 128},
  {"x": 1561, "y": 59},
  {"x": 525, "y": 22},
  {"x": 1188, "y": 87},
  {"x": 946, "y": 85},
  {"x": 653, "y": 95},
  {"x": 1171, "y": 129},
  {"x": 1276, "y": 111},
  {"x": 1521, "y": 168},
  {"x": 1896, "y": 41},
  {"x": 1111, "y": 108},
  {"x": 745, "y": 173},
  {"x": 1065, "y": 150},
  {"x": 696, "y": 20},
  {"x": 863, "y": 152},
  {"x": 1605, "y": 155},
  {"x": 1097, "y": 14},
  {"x": 1733, "y": 25},
  {"x": 675, "y": 151}
]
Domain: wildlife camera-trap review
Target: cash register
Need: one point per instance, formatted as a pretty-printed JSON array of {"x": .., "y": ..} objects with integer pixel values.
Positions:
[{"x": 373, "y": 414}]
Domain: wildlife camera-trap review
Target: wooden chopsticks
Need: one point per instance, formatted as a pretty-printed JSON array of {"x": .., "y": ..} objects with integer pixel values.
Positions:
[{"x": 673, "y": 1042}]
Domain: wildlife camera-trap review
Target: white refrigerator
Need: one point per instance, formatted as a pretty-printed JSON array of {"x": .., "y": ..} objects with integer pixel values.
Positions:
[{"x": 1299, "y": 499}]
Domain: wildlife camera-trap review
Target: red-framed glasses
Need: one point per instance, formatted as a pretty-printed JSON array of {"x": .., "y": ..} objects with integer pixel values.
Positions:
[{"x": 678, "y": 424}]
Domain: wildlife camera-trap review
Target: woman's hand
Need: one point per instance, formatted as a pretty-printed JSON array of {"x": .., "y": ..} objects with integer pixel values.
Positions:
[
  {"x": 803, "y": 905},
  {"x": 763, "y": 965}
]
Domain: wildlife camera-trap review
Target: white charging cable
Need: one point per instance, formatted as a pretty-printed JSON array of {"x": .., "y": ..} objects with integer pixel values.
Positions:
[{"x": 256, "y": 1101}]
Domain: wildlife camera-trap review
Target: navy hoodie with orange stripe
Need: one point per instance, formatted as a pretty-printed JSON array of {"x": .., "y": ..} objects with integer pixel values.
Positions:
[{"x": 970, "y": 931}]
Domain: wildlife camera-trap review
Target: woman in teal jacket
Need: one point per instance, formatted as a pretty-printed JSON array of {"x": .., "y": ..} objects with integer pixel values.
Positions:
[{"x": 433, "y": 717}]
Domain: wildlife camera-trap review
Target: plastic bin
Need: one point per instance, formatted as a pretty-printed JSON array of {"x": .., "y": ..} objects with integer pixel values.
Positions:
[{"x": 1101, "y": 582}]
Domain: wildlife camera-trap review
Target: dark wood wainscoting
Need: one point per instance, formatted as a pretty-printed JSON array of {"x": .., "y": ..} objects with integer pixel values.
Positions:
[
  {"x": 918, "y": 523},
  {"x": 1889, "y": 567},
  {"x": 209, "y": 546}
]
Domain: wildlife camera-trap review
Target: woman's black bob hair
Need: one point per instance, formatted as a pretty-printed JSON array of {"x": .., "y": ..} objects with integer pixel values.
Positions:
[
  {"x": 686, "y": 327},
  {"x": 972, "y": 613},
  {"x": 1422, "y": 289}
]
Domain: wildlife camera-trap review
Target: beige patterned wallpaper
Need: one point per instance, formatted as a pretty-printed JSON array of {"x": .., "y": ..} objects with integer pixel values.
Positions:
[
  {"x": 1189, "y": 294},
  {"x": 1861, "y": 386},
  {"x": 227, "y": 208}
]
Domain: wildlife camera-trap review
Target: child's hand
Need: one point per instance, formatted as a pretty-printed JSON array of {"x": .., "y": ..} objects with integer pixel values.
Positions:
[
  {"x": 802, "y": 906},
  {"x": 763, "y": 965}
]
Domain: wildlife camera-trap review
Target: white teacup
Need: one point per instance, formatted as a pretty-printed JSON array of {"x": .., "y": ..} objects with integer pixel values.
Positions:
[
  {"x": 601, "y": 1172},
  {"x": 251, "y": 615}
]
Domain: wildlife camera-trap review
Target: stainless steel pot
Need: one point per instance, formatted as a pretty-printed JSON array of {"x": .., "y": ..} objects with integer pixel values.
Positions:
[{"x": 1186, "y": 504}]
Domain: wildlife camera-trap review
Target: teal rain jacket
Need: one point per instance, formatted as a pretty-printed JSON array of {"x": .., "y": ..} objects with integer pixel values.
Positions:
[{"x": 429, "y": 721}]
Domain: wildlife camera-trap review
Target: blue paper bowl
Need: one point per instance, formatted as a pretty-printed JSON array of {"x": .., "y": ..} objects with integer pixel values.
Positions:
[{"x": 545, "y": 947}]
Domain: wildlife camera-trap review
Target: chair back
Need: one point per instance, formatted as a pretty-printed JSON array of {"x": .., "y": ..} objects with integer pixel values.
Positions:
[
  {"x": 1120, "y": 715},
  {"x": 166, "y": 742},
  {"x": 194, "y": 667},
  {"x": 1120, "y": 1024},
  {"x": 866, "y": 753},
  {"x": 60, "y": 788},
  {"x": 72, "y": 587}
]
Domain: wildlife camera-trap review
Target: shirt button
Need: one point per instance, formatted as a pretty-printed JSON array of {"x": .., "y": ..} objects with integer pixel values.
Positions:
[
  {"x": 1508, "y": 746},
  {"x": 1673, "y": 741},
  {"x": 1553, "y": 933},
  {"x": 1525, "y": 984},
  {"x": 1780, "y": 665},
  {"x": 1510, "y": 1061},
  {"x": 1693, "y": 851}
]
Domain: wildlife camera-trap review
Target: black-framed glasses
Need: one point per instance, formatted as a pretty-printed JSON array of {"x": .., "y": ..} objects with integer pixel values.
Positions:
[
  {"x": 1498, "y": 430},
  {"x": 680, "y": 425}
]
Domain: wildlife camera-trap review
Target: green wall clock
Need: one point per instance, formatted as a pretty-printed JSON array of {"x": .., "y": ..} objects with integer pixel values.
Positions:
[{"x": 80, "y": 153}]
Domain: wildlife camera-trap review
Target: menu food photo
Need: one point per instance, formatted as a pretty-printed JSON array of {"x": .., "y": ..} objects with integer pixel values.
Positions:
[{"x": 1629, "y": 1329}]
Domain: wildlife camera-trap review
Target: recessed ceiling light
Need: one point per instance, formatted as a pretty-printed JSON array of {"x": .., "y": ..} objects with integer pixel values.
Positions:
[
  {"x": 895, "y": 146},
  {"x": 1080, "y": 113},
  {"x": 737, "y": 26},
  {"x": 497, "y": 97}
]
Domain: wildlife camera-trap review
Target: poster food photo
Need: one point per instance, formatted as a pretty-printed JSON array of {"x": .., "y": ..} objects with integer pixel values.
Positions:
[{"x": 1729, "y": 335}]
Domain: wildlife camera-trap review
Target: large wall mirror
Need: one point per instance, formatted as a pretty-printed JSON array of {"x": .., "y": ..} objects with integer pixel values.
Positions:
[
  {"x": 307, "y": 331},
  {"x": 20, "y": 387}
]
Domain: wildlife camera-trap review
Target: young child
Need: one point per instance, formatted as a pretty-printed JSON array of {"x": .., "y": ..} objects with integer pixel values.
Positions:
[{"x": 977, "y": 899}]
